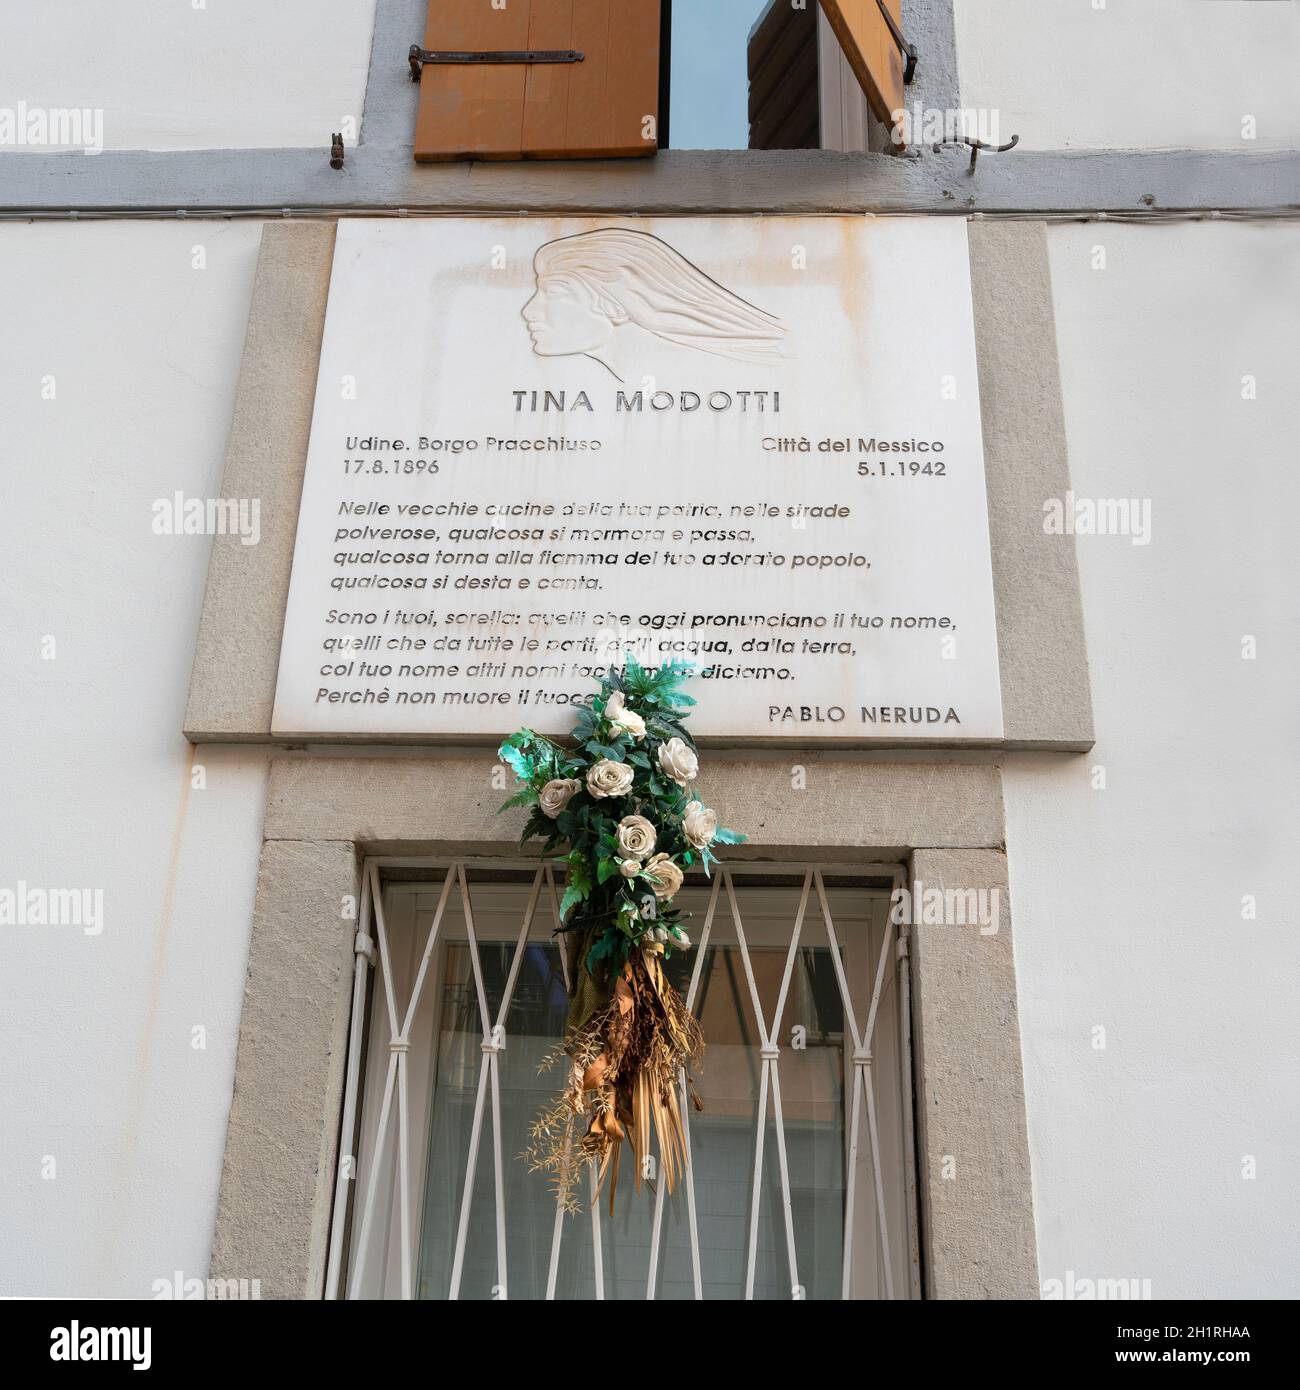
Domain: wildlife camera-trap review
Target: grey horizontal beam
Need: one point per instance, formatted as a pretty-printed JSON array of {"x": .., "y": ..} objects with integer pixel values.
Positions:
[
  {"x": 380, "y": 174},
  {"x": 675, "y": 181}
]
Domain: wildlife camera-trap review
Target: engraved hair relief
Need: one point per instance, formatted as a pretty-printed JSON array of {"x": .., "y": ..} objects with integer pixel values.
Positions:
[{"x": 616, "y": 295}]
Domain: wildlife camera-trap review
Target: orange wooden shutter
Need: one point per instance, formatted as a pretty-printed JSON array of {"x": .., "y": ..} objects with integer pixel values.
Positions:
[
  {"x": 603, "y": 107},
  {"x": 870, "y": 48}
]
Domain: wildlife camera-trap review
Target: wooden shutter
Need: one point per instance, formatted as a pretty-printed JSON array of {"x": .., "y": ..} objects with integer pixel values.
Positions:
[
  {"x": 870, "y": 48},
  {"x": 594, "y": 109}
]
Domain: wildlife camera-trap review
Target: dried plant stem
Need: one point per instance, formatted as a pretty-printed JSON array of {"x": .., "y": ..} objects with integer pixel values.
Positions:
[{"x": 623, "y": 1068}]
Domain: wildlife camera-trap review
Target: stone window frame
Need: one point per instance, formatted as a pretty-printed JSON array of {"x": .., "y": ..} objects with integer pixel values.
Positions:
[{"x": 325, "y": 815}]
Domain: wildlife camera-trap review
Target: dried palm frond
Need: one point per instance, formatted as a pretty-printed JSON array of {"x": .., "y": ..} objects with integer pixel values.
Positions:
[{"x": 625, "y": 1062}]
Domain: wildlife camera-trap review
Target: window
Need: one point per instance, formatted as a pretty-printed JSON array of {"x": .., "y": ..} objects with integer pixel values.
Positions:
[
  {"x": 762, "y": 75},
  {"x": 740, "y": 1224},
  {"x": 623, "y": 78}
]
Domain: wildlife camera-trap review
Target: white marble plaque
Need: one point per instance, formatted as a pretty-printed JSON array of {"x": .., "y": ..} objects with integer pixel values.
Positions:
[{"x": 751, "y": 442}]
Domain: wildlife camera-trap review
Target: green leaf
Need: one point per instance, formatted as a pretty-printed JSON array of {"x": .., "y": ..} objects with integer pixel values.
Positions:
[
  {"x": 605, "y": 945},
  {"x": 728, "y": 837},
  {"x": 523, "y": 798},
  {"x": 603, "y": 750},
  {"x": 606, "y": 870},
  {"x": 572, "y": 897},
  {"x": 579, "y": 874},
  {"x": 515, "y": 751}
]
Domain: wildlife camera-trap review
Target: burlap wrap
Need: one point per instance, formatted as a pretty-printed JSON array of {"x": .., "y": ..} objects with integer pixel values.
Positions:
[{"x": 589, "y": 991}]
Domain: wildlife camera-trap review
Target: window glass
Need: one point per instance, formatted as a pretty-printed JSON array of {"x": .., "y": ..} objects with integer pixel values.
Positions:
[
  {"x": 534, "y": 1021},
  {"x": 743, "y": 75},
  {"x": 430, "y": 982},
  {"x": 722, "y": 1139}
]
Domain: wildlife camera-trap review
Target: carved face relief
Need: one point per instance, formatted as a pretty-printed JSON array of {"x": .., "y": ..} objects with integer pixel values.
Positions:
[
  {"x": 563, "y": 318},
  {"x": 615, "y": 293}
]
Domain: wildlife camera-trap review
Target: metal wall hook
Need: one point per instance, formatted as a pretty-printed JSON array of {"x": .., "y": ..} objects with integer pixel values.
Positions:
[{"x": 976, "y": 145}]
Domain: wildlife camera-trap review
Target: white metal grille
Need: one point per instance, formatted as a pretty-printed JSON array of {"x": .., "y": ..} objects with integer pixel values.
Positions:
[{"x": 387, "y": 1108}]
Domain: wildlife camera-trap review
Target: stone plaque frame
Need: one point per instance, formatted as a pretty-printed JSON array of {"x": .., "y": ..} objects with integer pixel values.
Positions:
[{"x": 1046, "y": 702}]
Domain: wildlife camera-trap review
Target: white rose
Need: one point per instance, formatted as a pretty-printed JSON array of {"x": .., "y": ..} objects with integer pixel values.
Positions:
[
  {"x": 636, "y": 837},
  {"x": 663, "y": 876},
  {"x": 629, "y": 868},
  {"x": 557, "y": 794},
  {"x": 679, "y": 762},
  {"x": 608, "y": 778},
  {"x": 622, "y": 719},
  {"x": 699, "y": 824}
]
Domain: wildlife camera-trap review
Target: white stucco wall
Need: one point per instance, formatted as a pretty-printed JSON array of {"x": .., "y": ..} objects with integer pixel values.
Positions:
[
  {"x": 1128, "y": 900},
  {"x": 1133, "y": 74},
  {"x": 100, "y": 1073},
  {"x": 192, "y": 74}
]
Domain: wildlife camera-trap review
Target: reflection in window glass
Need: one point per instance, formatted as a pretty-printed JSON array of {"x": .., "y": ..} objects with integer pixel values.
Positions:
[
  {"x": 743, "y": 75},
  {"x": 533, "y": 1023}
]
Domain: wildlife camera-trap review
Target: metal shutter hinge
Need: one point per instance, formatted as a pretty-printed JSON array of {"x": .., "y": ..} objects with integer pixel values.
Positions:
[
  {"x": 908, "y": 50},
  {"x": 419, "y": 56}
]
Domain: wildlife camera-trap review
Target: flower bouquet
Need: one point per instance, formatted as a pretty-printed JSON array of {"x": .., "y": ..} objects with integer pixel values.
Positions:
[{"x": 622, "y": 802}]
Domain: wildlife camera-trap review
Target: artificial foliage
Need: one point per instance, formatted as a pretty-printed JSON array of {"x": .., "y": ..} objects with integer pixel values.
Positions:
[{"x": 620, "y": 804}]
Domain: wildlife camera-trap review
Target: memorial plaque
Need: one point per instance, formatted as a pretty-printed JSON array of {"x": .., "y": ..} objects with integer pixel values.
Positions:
[{"x": 749, "y": 442}]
